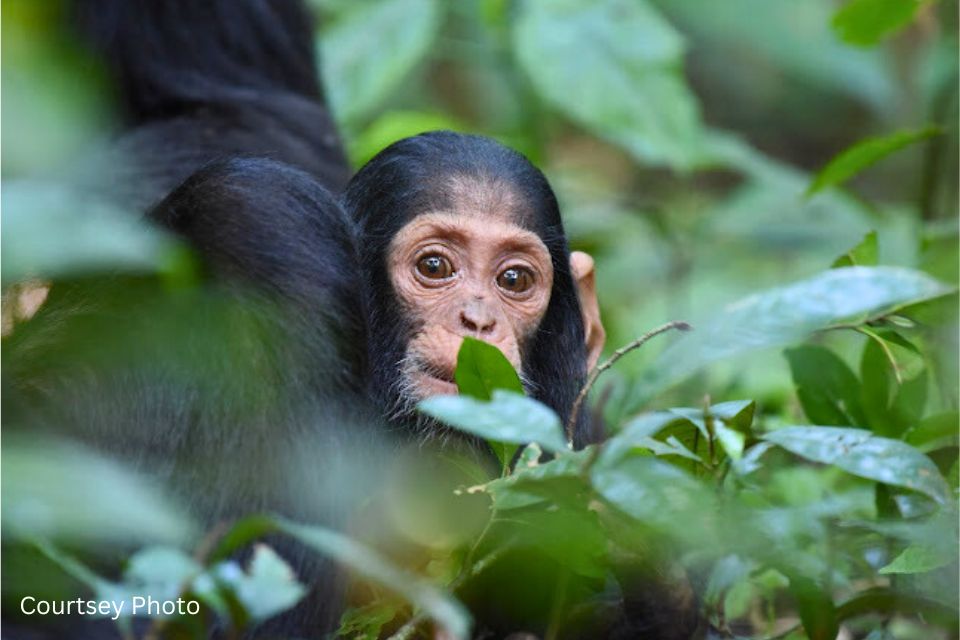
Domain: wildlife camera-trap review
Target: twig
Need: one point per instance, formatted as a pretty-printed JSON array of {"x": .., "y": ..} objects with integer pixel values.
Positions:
[{"x": 609, "y": 362}]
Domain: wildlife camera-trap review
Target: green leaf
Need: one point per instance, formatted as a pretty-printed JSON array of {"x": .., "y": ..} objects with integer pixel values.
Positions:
[
  {"x": 826, "y": 387},
  {"x": 658, "y": 494},
  {"x": 51, "y": 231},
  {"x": 731, "y": 441},
  {"x": 786, "y": 315},
  {"x": 59, "y": 491},
  {"x": 268, "y": 587},
  {"x": 161, "y": 571},
  {"x": 367, "y": 50},
  {"x": 558, "y": 481},
  {"x": 736, "y": 413},
  {"x": 816, "y": 609},
  {"x": 482, "y": 368},
  {"x": 919, "y": 559},
  {"x": 935, "y": 432},
  {"x": 867, "y": 22},
  {"x": 623, "y": 61},
  {"x": 862, "y": 255},
  {"x": 859, "y": 452},
  {"x": 449, "y": 614},
  {"x": 638, "y": 431},
  {"x": 508, "y": 417},
  {"x": 864, "y": 154},
  {"x": 441, "y": 607},
  {"x": 366, "y": 622},
  {"x": 672, "y": 447},
  {"x": 393, "y": 126}
]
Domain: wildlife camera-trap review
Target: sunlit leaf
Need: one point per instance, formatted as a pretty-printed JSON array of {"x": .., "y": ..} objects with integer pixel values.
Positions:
[
  {"x": 736, "y": 413},
  {"x": 622, "y": 60},
  {"x": 866, "y": 22},
  {"x": 859, "y": 452},
  {"x": 862, "y": 255},
  {"x": 788, "y": 314},
  {"x": 266, "y": 588},
  {"x": 731, "y": 441},
  {"x": 919, "y": 558},
  {"x": 508, "y": 417},
  {"x": 864, "y": 154}
]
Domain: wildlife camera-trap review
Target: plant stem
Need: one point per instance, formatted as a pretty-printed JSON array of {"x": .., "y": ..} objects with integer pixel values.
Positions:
[{"x": 609, "y": 362}]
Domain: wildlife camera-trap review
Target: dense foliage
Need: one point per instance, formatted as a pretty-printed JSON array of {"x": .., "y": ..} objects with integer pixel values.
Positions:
[{"x": 780, "y": 174}]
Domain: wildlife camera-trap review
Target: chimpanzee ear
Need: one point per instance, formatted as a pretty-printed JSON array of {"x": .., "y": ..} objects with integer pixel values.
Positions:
[{"x": 581, "y": 265}]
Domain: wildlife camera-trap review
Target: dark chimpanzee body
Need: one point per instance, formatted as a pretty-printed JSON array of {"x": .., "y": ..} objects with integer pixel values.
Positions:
[{"x": 309, "y": 342}]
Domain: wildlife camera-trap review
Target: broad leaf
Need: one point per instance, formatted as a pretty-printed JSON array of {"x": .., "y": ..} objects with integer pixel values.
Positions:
[
  {"x": 919, "y": 559},
  {"x": 508, "y": 417},
  {"x": 866, "y": 22},
  {"x": 788, "y": 314},
  {"x": 482, "y": 368},
  {"x": 864, "y": 154},
  {"x": 859, "y": 452},
  {"x": 826, "y": 387},
  {"x": 58, "y": 491},
  {"x": 658, "y": 494},
  {"x": 449, "y": 614},
  {"x": 816, "y": 609},
  {"x": 267, "y": 588},
  {"x": 862, "y": 255},
  {"x": 622, "y": 61},
  {"x": 368, "y": 48},
  {"x": 736, "y": 413},
  {"x": 558, "y": 481},
  {"x": 443, "y": 608}
]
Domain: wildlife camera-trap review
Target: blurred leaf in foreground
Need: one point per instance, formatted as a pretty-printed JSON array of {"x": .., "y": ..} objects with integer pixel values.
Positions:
[
  {"x": 508, "y": 417},
  {"x": 51, "y": 230},
  {"x": 449, "y": 614},
  {"x": 58, "y": 491}
]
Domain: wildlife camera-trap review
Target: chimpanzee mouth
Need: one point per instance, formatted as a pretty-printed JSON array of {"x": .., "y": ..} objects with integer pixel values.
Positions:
[{"x": 435, "y": 380}]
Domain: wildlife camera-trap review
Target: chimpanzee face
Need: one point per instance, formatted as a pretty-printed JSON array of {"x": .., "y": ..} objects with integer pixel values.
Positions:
[{"x": 466, "y": 273}]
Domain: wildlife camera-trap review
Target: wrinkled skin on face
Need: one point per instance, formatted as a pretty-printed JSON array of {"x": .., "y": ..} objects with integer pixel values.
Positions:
[{"x": 459, "y": 275}]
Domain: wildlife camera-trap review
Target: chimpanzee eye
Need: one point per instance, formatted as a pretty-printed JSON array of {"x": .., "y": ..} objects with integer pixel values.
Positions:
[
  {"x": 435, "y": 267},
  {"x": 515, "y": 280}
]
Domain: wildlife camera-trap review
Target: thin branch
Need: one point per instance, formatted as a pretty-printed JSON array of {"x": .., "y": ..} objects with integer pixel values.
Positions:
[{"x": 609, "y": 362}]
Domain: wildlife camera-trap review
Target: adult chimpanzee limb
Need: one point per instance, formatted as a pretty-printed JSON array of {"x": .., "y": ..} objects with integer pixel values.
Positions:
[{"x": 207, "y": 80}]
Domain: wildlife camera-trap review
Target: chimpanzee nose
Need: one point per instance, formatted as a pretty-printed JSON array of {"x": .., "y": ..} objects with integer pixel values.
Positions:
[{"x": 476, "y": 319}]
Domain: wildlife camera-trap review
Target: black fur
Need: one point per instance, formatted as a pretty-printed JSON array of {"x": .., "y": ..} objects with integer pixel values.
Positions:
[{"x": 208, "y": 80}]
